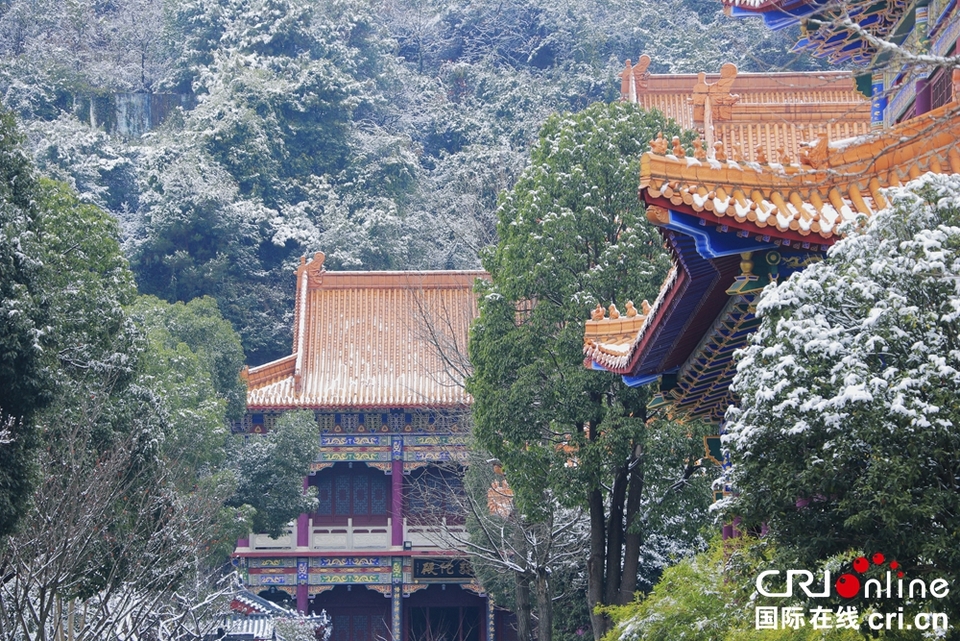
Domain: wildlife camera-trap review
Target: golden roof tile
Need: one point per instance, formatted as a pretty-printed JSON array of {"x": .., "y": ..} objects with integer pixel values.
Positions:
[
  {"x": 611, "y": 342},
  {"x": 836, "y": 182},
  {"x": 371, "y": 340},
  {"x": 771, "y": 112}
]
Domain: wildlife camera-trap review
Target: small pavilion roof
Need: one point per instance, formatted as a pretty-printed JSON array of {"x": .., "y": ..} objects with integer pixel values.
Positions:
[{"x": 372, "y": 340}]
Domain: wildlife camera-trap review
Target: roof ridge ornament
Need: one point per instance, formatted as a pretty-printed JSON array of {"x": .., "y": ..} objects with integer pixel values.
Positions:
[
  {"x": 634, "y": 79},
  {"x": 714, "y": 102},
  {"x": 314, "y": 270},
  {"x": 816, "y": 154},
  {"x": 678, "y": 150},
  {"x": 658, "y": 145}
]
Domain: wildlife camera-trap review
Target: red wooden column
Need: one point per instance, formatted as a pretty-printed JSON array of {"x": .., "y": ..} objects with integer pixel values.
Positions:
[
  {"x": 396, "y": 495},
  {"x": 303, "y": 577}
]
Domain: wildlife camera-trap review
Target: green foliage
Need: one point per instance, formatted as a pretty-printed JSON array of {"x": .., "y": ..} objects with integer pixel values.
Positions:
[
  {"x": 377, "y": 132},
  {"x": 24, "y": 384},
  {"x": 94, "y": 347},
  {"x": 845, "y": 437},
  {"x": 266, "y": 120},
  {"x": 572, "y": 234},
  {"x": 191, "y": 363},
  {"x": 271, "y": 469},
  {"x": 709, "y": 596},
  {"x": 201, "y": 239},
  {"x": 196, "y": 328}
]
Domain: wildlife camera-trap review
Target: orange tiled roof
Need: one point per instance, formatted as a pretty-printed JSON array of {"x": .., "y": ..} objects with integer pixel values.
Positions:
[
  {"x": 806, "y": 201},
  {"x": 370, "y": 340},
  {"x": 770, "y": 110}
]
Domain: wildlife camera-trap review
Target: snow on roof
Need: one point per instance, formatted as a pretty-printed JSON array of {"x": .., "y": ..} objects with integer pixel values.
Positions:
[
  {"x": 257, "y": 627},
  {"x": 807, "y": 201},
  {"x": 772, "y": 110}
]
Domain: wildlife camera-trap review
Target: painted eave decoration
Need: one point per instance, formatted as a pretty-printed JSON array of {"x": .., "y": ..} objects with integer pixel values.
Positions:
[
  {"x": 370, "y": 340},
  {"x": 823, "y": 29}
]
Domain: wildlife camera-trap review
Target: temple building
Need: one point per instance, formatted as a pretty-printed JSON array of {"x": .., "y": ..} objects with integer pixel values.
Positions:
[
  {"x": 732, "y": 227},
  {"x": 735, "y": 222},
  {"x": 378, "y": 357}
]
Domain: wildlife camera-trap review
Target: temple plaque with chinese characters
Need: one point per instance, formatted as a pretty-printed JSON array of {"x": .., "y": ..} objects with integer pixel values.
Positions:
[{"x": 442, "y": 569}]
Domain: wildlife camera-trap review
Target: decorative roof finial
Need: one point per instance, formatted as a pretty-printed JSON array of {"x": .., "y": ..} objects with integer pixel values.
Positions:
[
  {"x": 677, "y": 149},
  {"x": 614, "y": 314},
  {"x": 314, "y": 269},
  {"x": 698, "y": 151},
  {"x": 597, "y": 314},
  {"x": 718, "y": 151},
  {"x": 737, "y": 152},
  {"x": 633, "y": 79},
  {"x": 816, "y": 155},
  {"x": 658, "y": 145},
  {"x": 761, "y": 154},
  {"x": 716, "y": 98}
]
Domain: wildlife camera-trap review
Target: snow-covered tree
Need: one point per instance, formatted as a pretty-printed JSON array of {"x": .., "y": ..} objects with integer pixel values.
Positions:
[
  {"x": 24, "y": 381},
  {"x": 846, "y": 434},
  {"x": 114, "y": 536}
]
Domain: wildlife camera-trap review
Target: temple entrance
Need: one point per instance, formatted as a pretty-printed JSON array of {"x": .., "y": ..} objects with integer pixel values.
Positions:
[
  {"x": 445, "y": 623},
  {"x": 357, "y": 614},
  {"x": 445, "y": 613}
]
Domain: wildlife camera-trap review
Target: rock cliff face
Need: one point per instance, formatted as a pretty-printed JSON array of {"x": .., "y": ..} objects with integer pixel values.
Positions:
[{"x": 130, "y": 114}]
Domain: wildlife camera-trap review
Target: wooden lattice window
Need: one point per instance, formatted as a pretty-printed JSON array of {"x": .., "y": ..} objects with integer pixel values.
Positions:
[
  {"x": 360, "y": 493},
  {"x": 432, "y": 495},
  {"x": 941, "y": 88}
]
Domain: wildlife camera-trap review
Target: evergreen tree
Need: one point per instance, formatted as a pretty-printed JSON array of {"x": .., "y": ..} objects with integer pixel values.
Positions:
[
  {"x": 25, "y": 386},
  {"x": 712, "y": 596},
  {"x": 271, "y": 470},
  {"x": 572, "y": 235}
]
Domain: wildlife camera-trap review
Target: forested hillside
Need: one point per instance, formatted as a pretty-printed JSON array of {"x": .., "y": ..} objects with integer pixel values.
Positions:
[{"x": 378, "y": 131}]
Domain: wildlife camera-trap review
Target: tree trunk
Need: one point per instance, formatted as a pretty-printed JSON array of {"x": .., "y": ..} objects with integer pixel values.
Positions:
[
  {"x": 633, "y": 538},
  {"x": 615, "y": 527},
  {"x": 596, "y": 563},
  {"x": 544, "y": 606},
  {"x": 524, "y": 626}
]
